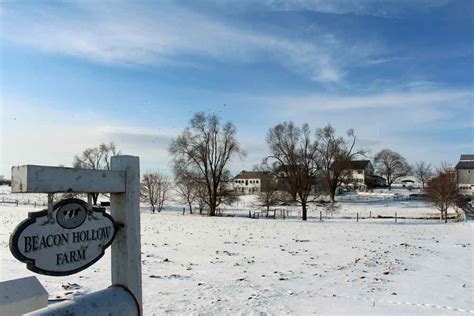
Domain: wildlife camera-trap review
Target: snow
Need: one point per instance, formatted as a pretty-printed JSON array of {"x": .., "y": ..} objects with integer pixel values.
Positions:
[{"x": 235, "y": 265}]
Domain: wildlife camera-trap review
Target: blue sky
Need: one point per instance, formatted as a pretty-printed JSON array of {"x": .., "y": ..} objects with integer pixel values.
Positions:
[{"x": 74, "y": 74}]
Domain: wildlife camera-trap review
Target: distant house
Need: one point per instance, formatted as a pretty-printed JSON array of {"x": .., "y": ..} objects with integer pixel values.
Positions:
[
  {"x": 250, "y": 182},
  {"x": 360, "y": 174},
  {"x": 465, "y": 174}
]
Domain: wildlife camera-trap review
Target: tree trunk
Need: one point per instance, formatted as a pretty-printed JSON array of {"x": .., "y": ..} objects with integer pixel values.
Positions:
[
  {"x": 446, "y": 215},
  {"x": 304, "y": 211},
  {"x": 190, "y": 208},
  {"x": 332, "y": 196},
  {"x": 153, "y": 209},
  {"x": 212, "y": 208}
]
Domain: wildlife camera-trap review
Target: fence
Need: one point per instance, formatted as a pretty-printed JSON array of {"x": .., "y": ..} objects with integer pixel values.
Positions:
[{"x": 16, "y": 202}]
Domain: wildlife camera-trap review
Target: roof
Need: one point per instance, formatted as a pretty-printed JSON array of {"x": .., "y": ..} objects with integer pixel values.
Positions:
[
  {"x": 252, "y": 174},
  {"x": 467, "y": 157},
  {"x": 355, "y": 164},
  {"x": 374, "y": 177},
  {"x": 465, "y": 165}
]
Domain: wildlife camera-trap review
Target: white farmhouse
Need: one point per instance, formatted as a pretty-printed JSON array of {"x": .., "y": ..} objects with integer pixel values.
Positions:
[
  {"x": 465, "y": 174},
  {"x": 358, "y": 173},
  {"x": 249, "y": 182}
]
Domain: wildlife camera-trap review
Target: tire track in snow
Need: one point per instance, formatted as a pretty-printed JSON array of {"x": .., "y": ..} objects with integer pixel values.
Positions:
[{"x": 449, "y": 308}]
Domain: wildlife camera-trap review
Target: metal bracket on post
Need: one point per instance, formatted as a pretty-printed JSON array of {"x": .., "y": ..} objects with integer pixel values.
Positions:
[
  {"x": 50, "y": 207},
  {"x": 89, "y": 201}
]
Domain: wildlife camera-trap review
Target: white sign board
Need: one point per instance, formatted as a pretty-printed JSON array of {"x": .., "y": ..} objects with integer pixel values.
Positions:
[{"x": 70, "y": 239}]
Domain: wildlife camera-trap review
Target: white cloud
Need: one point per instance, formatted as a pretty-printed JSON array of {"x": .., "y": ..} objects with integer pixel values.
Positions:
[
  {"x": 414, "y": 123},
  {"x": 384, "y": 8},
  {"x": 134, "y": 34},
  {"x": 59, "y": 135},
  {"x": 314, "y": 103}
]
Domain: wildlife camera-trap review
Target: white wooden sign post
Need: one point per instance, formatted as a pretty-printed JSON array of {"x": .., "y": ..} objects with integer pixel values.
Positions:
[{"x": 124, "y": 297}]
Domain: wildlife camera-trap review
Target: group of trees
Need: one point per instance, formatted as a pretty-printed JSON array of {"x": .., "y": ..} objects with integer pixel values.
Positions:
[
  {"x": 310, "y": 165},
  {"x": 302, "y": 165}
]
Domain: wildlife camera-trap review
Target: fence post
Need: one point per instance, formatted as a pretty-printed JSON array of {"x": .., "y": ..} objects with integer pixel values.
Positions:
[
  {"x": 126, "y": 248},
  {"x": 320, "y": 216},
  {"x": 184, "y": 209},
  {"x": 250, "y": 214},
  {"x": 395, "y": 217},
  {"x": 370, "y": 214},
  {"x": 357, "y": 216}
]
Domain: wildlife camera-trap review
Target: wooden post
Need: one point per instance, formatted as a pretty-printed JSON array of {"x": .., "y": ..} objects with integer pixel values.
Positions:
[
  {"x": 124, "y": 297},
  {"x": 370, "y": 214},
  {"x": 395, "y": 217},
  {"x": 126, "y": 248},
  {"x": 320, "y": 216},
  {"x": 184, "y": 209},
  {"x": 357, "y": 216}
]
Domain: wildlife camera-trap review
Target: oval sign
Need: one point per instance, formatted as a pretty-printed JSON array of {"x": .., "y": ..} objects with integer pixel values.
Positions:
[{"x": 71, "y": 239}]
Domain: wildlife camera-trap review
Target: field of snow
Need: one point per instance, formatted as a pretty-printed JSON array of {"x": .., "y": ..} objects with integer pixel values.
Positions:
[
  {"x": 235, "y": 265},
  {"x": 224, "y": 265}
]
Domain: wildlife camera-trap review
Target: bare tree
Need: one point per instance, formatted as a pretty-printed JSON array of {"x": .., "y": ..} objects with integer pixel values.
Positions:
[
  {"x": 201, "y": 191},
  {"x": 186, "y": 184},
  {"x": 269, "y": 194},
  {"x": 208, "y": 147},
  {"x": 154, "y": 190},
  {"x": 334, "y": 157},
  {"x": 442, "y": 191},
  {"x": 97, "y": 158},
  {"x": 292, "y": 150},
  {"x": 422, "y": 172},
  {"x": 391, "y": 165}
]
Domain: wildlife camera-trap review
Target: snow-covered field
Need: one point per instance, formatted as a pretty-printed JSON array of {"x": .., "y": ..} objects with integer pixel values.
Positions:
[{"x": 236, "y": 265}]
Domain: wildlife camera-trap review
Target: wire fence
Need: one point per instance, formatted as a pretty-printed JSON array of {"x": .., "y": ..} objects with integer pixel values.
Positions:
[{"x": 249, "y": 211}]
